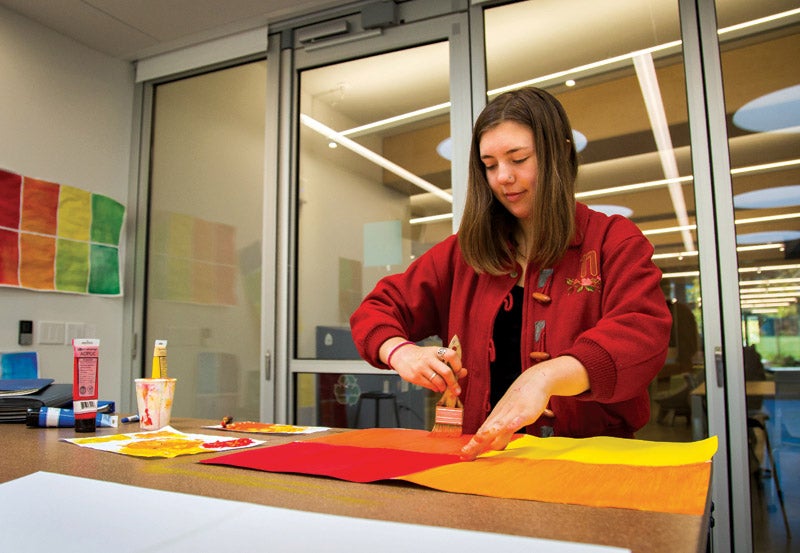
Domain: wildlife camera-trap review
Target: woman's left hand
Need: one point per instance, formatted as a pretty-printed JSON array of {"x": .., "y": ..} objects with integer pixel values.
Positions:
[{"x": 525, "y": 401}]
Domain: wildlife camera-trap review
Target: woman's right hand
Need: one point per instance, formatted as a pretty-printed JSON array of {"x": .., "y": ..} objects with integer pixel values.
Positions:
[{"x": 432, "y": 367}]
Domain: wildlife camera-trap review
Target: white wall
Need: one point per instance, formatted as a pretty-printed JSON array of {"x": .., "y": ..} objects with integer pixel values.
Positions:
[{"x": 65, "y": 117}]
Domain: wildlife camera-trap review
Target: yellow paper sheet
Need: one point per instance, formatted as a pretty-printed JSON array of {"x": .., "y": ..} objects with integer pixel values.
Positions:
[{"x": 610, "y": 451}]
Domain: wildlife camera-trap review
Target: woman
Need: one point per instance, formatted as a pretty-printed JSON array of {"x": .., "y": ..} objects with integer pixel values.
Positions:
[{"x": 558, "y": 308}]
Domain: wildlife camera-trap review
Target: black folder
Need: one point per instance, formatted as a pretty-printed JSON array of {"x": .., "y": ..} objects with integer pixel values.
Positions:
[{"x": 13, "y": 408}]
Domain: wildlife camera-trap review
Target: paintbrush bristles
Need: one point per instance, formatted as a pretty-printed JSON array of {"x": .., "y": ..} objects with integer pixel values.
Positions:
[
  {"x": 446, "y": 431},
  {"x": 448, "y": 421},
  {"x": 449, "y": 416}
]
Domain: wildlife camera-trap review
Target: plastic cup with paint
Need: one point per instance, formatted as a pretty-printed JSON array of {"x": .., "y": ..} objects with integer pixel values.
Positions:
[{"x": 154, "y": 397}]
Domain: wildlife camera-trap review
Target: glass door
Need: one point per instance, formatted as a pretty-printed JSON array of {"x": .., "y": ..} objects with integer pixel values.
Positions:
[
  {"x": 382, "y": 115},
  {"x": 759, "y": 43},
  {"x": 203, "y": 288}
]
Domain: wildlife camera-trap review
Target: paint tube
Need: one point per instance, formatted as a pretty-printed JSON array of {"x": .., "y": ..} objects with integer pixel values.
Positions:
[
  {"x": 86, "y": 361},
  {"x": 160, "y": 359},
  {"x": 54, "y": 417}
]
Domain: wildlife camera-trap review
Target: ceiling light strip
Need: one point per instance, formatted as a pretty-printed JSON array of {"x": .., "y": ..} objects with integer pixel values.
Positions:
[
  {"x": 648, "y": 83},
  {"x": 763, "y": 268},
  {"x": 765, "y": 167},
  {"x": 759, "y": 21},
  {"x": 794, "y": 290},
  {"x": 769, "y": 282},
  {"x": 666, "y": 230},
  {"x": 678, "y": 255},
  {"x": 767, "y": 296},
  {"x": 631, "y": 187},
  {"x": 430, "y": 219},
  {"x": 668, "y": 182},
  {"x": 559, "y": 75},
  {"x": 366, "y": 153},
  {"x": 769, "y": 268},
  {"x": 767, "y": 218},
  {"x": 758, "y": 247},
  {"x": 438, "y": 109}
]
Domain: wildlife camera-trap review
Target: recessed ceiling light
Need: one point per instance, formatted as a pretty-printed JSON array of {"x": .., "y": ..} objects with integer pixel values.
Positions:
[
  {"x": 569, "y": 82},
  {"x": 777, "y": 196},
  {"x": 776, "y": 111},
  {"x": 580, "y": 140},
  {"x": 767, "y": 237},
  {"x": 445, "y": 149},
  {"x": 610, "y": 209}
]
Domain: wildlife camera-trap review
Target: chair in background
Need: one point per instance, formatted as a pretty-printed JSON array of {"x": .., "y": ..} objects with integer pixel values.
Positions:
[
  {"x": 675, "y": 402},
  {"x": 787, "y": 405},
  {"x": 377, "y": 398}
]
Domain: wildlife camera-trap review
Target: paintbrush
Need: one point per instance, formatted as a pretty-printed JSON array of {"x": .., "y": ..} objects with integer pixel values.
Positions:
[{"x": 449, "y": 410}]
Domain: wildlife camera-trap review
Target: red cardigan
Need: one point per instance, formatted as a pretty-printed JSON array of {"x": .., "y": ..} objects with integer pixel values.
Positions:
[{"x": 606, "y": 309}]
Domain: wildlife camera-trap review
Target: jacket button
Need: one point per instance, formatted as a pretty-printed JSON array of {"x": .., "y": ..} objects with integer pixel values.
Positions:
[
  {"x": 541, "y": 298},
  {"x": 539, "y": 355}
]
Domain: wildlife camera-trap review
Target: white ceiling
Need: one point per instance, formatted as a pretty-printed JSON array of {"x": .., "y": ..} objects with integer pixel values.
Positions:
[{"x": 136, "y": 29}]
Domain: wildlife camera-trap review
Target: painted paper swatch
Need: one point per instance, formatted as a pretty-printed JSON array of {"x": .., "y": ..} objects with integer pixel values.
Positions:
[
  {"x": 58, "y": 238},
  {"x": 166, "y": 442},
  {"x": 608, "y": 472},
  {"x": 253, "y": 427}
]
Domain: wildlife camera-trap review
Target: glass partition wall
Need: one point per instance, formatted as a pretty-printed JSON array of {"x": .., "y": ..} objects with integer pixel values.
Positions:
[
  {"x": 626, "y": 99},
  {"x": 759, "y": 48},
  {"x": 626, "y": 96},
  {"x": 373, "y": 192}
]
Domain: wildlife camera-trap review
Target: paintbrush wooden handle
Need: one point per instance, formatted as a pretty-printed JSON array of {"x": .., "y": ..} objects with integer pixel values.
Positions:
[{"x": 449, "y": 399}]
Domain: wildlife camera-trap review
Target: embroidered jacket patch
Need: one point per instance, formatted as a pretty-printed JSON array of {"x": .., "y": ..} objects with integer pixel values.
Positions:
[{"x": 589, "y": 280}]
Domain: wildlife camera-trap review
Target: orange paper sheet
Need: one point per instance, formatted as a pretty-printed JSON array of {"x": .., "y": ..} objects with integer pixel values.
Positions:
[{"x": 603, "y": 472}]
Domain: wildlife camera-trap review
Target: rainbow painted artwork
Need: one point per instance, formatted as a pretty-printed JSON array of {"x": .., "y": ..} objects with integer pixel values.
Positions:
[{"x": 58, "y": 238}]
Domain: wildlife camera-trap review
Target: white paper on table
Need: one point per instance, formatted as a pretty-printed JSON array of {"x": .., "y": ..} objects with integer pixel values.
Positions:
[{"x": 46, "y": 512}]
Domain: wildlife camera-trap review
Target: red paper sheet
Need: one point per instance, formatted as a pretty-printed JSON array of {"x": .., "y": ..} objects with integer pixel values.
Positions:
[{"x": 356, "y": 464}]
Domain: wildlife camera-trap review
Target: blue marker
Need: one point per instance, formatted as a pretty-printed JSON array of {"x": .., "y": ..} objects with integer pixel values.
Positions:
[{"x": 132, "y": 418}]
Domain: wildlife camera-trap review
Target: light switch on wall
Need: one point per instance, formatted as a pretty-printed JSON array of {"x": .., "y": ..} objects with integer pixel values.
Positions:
[{"x": 25, "y": 333}]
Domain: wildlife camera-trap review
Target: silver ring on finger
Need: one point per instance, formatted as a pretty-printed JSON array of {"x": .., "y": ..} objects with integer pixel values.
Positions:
[
  {"x": 433, "y": 375},
  {"x": 440, "y": 353}
]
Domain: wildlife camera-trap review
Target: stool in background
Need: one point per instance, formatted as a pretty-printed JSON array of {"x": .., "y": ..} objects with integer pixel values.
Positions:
[{"x": 377, "y": 397}]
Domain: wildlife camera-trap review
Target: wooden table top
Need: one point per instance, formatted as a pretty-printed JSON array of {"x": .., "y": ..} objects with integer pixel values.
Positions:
[
  {"x": 762, "y": 388},
  {"x": 28, "y": 450}
]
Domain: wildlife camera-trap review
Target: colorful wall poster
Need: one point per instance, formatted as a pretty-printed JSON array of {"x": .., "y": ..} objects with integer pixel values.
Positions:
[{"x": 58, "y": 238}]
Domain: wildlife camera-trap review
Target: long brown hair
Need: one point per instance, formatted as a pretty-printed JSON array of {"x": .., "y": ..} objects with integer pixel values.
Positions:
[{"x": 487, "y": 228}]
